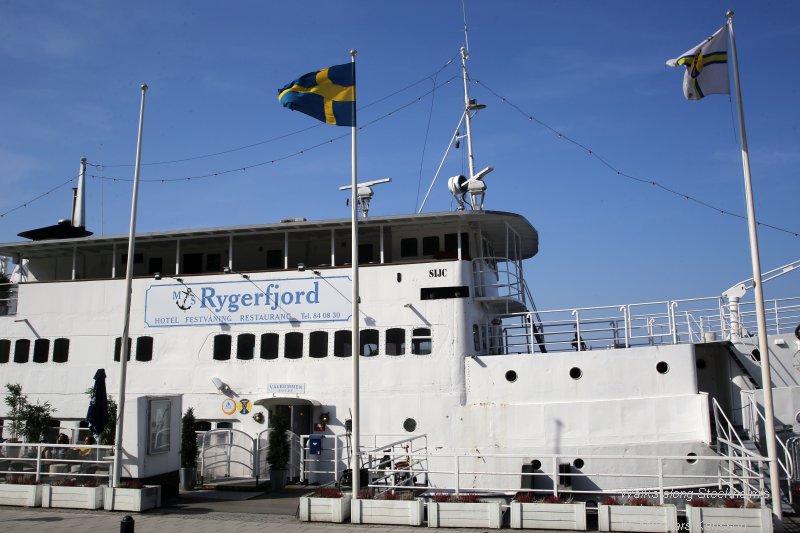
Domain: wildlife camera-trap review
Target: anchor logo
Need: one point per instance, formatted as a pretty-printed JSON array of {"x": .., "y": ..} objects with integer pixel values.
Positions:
[{"x": 186, "y": 302}]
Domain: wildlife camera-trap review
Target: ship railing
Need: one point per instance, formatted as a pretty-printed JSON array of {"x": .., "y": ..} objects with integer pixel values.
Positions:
[
  {"x": 782, "y": 315},
  {"x": 228, "y": 453},
  {"x": 589, "y": 477},
  {"x": 48, "y": 463},
  {"x": 401, "y": 463},
  {"x": 497, "y": 277},
  {"x": 653, "y": 323},
  {"x": 8, "y": 299}
]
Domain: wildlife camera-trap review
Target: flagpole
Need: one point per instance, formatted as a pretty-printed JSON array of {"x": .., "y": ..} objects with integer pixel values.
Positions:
[
  {"x": 763, "y": 344},
  {"x": 124, "y": 351},
  {"x": 355, "y": 467}
]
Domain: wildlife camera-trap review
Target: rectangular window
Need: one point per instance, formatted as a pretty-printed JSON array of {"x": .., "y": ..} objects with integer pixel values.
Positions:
[
  {"x": 5, "y": 350},
  {"x": 430, "y": 245},
  {"x": 137, "y": 259},
  {"x": 41, "y": 350},
  {"x": 144, "y": 349},
  {"x": 118, "y": 348},
  {"x": 343, "y": 343},
  {"x": 395, "y": 341},
  {"x": 60, "y": 350},
  {"x": 293, "y": 345},
  {"x": 408, "y": 247},
  {"x": 318, "y": 344},
  {"x": 369, "y": 342},
  {"x": 155, "y": 264},
  {"x": 192, "y": 263},
  {"x": 269, "y": 346},
  {"x": 213, "y": 263},
  {"x": 222, "y": 347},
  {"x": 451, "y": 245},
  {"x": 365, "y": 253},
  {"x": 274, "y": 258},
  {"x": 421, "y": 343},
  {"x": 245, "y": 346},
  {"x": 442, "y": 293},
  {"x": 22, "y": 349}
]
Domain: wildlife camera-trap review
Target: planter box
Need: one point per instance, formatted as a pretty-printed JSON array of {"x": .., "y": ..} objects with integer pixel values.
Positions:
[
  {"x": 72, "y": 497},
  {"x": 325, "y": 509},
  {"x": 22, "y": 495},
  {"x": 395, "y": 512},
  {"x": 481, "y": 514},
  {"x": 132, "y": 499},
  {"x": 648, "y": 518},
  {"x": 570, "y": 516},
  {"x": 717, "y": 519}
]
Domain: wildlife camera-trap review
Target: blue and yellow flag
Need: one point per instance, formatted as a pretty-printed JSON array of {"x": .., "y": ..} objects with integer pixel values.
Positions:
[
  {"x": 328, "y": 95},
  {"x": 706, "y": 67}
]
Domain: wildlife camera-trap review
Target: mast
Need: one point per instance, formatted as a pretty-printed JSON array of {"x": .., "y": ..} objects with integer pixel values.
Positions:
[{"x": 467, "y": 104}]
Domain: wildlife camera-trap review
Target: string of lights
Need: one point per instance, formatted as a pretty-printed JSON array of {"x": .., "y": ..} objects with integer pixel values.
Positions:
[
  {"x": 20, "y": 206},
  {"x": 619, "y": 172},
  {"x": 285, "y": 157},
  {"x": 279, "y": 137}
]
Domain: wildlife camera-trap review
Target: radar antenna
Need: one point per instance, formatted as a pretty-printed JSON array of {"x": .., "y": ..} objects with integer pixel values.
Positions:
[{"x": 364, "y": 193}]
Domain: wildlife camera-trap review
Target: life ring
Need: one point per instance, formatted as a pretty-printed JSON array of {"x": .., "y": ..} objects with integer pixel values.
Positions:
[{"x": 797, "y": 331}]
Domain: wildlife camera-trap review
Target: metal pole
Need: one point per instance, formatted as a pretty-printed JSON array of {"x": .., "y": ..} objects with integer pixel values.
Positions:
[
  {"x": 355, "y": 467},
  {"x": 79, "y": 211},
  {"x": 123, "y": 361},
  {"x": 464, "y": 57},
  {"x": 763, "y": 345}
]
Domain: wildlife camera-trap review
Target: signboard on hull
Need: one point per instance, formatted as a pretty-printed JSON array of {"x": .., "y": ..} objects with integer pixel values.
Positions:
[{"x": 269, "y": 301}]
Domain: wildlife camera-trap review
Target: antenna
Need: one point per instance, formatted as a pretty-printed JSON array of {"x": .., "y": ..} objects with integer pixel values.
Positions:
[{"x": 364, "y": 193}]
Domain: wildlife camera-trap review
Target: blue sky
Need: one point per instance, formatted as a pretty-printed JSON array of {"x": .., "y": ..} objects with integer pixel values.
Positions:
[{"x": 592, "y": 70}]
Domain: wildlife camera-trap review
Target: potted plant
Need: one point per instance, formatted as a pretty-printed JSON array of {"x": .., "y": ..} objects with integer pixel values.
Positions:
[
  {"x": 463, "y": 510},
  {"x": 131, "y": 495},
  {"x": 325, "y": 505},
  {"x": 188, "y": 470},
  {"x": 15, "y": 401},
  {"x": 391, "y": 507},
  {"x": 72, "y": 494},
  {"x": 547, "y": 513},
  {"x": 278, "y": 448},
  {"x": 37, "y": 419},
  {"x": 748, "y": 516},
  {"x": 636, "y": 514}
]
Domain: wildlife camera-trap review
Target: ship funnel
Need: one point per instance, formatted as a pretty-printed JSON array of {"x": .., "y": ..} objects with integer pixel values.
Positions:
[{"x": 79, "y": 199}]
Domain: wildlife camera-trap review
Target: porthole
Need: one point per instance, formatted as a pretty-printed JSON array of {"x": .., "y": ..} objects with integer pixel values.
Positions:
[
  {"x": 578, "y": 463},
  {"x": 511, "y": 376},
  {"x": 409, "y": 424},
  {"x": 701, "y": 364},
  {"x": 536, "y": 464},
  {"x": 691, "y": 458},
  {"x": 662, "y": 367},
  {"x": 575, "y": 372}
]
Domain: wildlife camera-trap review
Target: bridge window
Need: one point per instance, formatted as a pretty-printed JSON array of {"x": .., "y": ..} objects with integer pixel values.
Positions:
[
  {"x": 21, "y": 350},
  {"x": 118, "y": 348},
  {"x": 144, "y": 349},
  {"x": 408, "y": 247},
  {"x": 5, "y": 350},
  {"x": 421, "y": 341},
  {"x": 222, "y": 347},
  {"x": 343, "y": 343},
  {"x": 395, "y": 341},
  {"x": 60, "y": 350},
  {"x": 269, "y": 346},
  {"x": 318, "y": 344},
  {"x": 245, "y": 346},
  {"x": 41, "y": 350},
  {"x": 430, "y": 245},
  {"x": 293, "y": 345},
  {"x": 369, "y": 342}
]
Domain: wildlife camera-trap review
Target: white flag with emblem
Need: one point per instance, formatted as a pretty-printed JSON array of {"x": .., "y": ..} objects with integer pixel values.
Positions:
[{"x": 706, "y": 67}]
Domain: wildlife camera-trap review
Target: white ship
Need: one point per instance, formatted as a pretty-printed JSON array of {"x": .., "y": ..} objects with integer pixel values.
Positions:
[{"x": 457, "y": 365}]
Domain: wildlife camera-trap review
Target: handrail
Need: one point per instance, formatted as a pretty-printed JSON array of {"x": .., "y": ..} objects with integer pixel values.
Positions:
[{"x": 40, "y": 456}]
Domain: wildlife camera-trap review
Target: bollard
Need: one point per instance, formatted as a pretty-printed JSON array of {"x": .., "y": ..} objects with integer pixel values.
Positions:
[{"x": 126, "y": 525}]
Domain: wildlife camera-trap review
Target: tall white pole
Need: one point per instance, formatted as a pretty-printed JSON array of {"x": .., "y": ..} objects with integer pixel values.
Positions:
[
  {"x": 470, "y": 158},
  {"x": 763, "y": 344},
  {"x": 123, "y": 359},
  {"x": 79, "y": 210},
  {"x": 355, "y": 466}
]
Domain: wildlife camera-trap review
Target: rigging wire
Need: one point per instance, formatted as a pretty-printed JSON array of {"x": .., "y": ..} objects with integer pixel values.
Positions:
[
  {"x": 283, "y": 158},
  {"x": 279, "y": 137},
  {"x": 619, "y": 172},
  {"x": 38, "y": 197},
  {"x": 425, "y": 142}
]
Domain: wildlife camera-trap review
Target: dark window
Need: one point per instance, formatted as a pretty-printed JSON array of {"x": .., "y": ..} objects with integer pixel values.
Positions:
[
  {"x": 118, "y": 348},
  {"x": 137, "y": 259},
  {"x": 202, "y": 425},
  {"x": 451, "y": 245},
  {"x": 213, "y": 263},
  {"x": 318, "y": 344},
  {"x": 369, "y": 342},
  {"x": 430, "y": 245},
  {"x": 293, "y": 345},
  {"x": 5, "y": 350},
  {"x": 224, "y": 425},
  {"x": 274, "y": 258},
  {"x": 365, "y": 254},
  {"x": 222, "y": 347},
  {"x": 395, "y": 341},
  {"x": 61, "y": 350},
  {"x": 269, "y": 346},
  {"x": 245, "y": 346},
  {"x": 192, "y": 263},
  {"x": 343, "y": 343},
  {"x": 41, "y": 350},
  {"x": 144, "y": 349},
  {"x": 21, "y": 350},
  {"x": 421, "y": 341},
  {"x": 155, "y": 264},
  {"x": 440, "y": 293},
  {"x": 408, "y": 247}
]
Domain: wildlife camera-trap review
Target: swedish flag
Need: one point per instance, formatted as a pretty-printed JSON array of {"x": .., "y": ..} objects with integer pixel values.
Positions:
[{"x": 328, "y": 95}]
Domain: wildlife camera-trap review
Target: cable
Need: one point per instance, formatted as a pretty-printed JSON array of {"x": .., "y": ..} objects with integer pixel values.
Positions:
[
  {"x": 614, "y": 169},
  {"x": 425, "y": 143},
  {"x": 38, "y": 197}
]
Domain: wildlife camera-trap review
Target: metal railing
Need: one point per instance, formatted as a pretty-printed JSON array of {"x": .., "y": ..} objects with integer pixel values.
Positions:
[
  {"x": 654, "y": 323},
  {"x": 497, "y": 277},
  {"x": 8, "y": 299},
  {"x": 56, "y": 462},
  {"x": 220, "y": 449}
]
